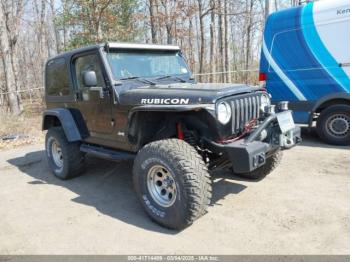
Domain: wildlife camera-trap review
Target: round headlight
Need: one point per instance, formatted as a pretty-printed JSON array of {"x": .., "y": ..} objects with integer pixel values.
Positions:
[
  {"x": 224, "y": 113},
  {"x": 265, "y": 101}
]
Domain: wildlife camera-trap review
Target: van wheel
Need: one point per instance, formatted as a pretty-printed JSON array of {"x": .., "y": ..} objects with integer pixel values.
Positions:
[
  {"x": 333, "y": 125},
  {"x": 172, "y": 183},
  {"x": 65, "y": 158},
  {"x": 271, "y": 163}
]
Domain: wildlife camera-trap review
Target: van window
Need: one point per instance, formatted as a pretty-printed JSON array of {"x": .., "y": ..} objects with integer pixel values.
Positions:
[{"x": 57, "y": 79}]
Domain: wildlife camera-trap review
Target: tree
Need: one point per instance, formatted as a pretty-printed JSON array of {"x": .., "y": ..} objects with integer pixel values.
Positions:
[
  {"x": 249, "y": 24},
  {"x": 151, "y": 7},
  {"x": 212, "y": 41},
  {"x": 203, "y": 11},
  {"x": 266, "y": 10},
  {"x": 54, "y": 26},
  {"x": 95, "y": 21},
  {"x": 214, "y": 35},
  {"x": 169, "y": 17},
  {"x": 226, "y": 58},
  {"x": 10, "y": 13}
]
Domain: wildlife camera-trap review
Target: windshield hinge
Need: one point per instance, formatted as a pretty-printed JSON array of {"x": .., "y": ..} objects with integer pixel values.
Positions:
[{"x": 107, "y": 47}]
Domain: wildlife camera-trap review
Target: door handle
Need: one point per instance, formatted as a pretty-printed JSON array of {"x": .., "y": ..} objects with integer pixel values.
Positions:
[{"x": 344, "y": 64}]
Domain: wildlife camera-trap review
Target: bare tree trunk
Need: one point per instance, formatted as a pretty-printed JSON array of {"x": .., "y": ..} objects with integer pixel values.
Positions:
[
  {"x": 248, "y": 40},
  {"x": 221, "y": 42},
  {"x": 152, "y": 21},
  {"x": 227, "y": 74},
  {"x": 55, "y": 33},
  {"x": 267, "y": 10},
  {"x": 168, "y": 22},
  {"x": 190, "y": 43},
  {"x": 9, "y": 22},
  {"x": 65, "y": 12},
  {"x": 41, "y": 31},
  {"x": 202, "y": 38},
  {"x": 169, "y": 37},
  {"x": 212, "y": 43},
  {"x": 198, "y": 44},
  {"x": 294, "y": 2}
]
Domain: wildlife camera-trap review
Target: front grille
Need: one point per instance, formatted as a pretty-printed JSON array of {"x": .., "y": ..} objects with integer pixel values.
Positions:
[{"x": 244, "y": 108}]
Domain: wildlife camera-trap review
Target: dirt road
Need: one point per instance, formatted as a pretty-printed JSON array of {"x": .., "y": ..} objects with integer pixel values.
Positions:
[{"x": 301, "y": 208}]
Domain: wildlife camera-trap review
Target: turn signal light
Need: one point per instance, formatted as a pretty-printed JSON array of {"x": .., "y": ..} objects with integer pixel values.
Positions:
[
  {"x": 262, "y": 80},
  {"x": 262, "y": 77}
]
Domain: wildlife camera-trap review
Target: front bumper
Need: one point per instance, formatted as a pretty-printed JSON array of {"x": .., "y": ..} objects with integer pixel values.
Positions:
[{"x": 248, "y": 154}]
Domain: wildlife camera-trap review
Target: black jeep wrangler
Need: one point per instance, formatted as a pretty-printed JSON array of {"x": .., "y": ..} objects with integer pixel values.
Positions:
[{"x": 140, "y": 102}]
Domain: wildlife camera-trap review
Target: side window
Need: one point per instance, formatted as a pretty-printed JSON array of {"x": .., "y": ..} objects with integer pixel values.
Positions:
[
  {"x": 57, "y": 78},
  {"x": 88, "y": 63}
]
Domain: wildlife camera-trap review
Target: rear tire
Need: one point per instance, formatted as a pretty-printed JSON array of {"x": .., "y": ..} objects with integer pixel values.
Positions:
[
  {"x": 172, "y": 183},
  {"x": 65, "y": 158},
  {"x": 333, "y": 125},
  {"x": 271, "y": 163}
]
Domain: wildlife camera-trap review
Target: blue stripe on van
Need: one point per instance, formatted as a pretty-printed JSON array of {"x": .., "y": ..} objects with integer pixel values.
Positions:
[
  {"x": 286, "y": 43},
  {"x": 275, "y": 83},
  {"x": 319, "y": 50},
  {"x": 292, "y": 87}
]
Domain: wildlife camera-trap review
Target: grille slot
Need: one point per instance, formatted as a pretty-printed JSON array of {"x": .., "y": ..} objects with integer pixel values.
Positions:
[{"x": 244, "y": 108}]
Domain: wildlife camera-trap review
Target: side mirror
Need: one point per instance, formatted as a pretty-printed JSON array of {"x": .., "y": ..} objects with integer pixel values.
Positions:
[{"x": 89, "y": 78}]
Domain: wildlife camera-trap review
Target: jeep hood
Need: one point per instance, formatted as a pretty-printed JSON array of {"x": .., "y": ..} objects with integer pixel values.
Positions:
[{"x": 182, "y": 93}]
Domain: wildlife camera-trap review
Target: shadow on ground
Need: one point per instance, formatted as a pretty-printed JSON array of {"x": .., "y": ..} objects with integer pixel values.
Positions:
[
  {"x": 107, "y": 186},
  {"x": 311, "y": 139}
]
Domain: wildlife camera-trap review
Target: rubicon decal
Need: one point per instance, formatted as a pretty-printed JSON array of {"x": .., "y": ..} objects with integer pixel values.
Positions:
[{"x": 165, "y": 101}]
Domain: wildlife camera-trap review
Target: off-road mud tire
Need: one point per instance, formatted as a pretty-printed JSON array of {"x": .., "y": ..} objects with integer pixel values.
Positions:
[
  {"x": 193, "y": 184},
  {"x": 72, "y": 157}
]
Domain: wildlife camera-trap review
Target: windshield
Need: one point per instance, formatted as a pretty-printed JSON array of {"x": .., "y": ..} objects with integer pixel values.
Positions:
[{"x": 128, "y": 64}]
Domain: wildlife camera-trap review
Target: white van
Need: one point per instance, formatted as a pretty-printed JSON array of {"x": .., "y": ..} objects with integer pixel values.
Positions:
[{"x": 306, "y": 60}]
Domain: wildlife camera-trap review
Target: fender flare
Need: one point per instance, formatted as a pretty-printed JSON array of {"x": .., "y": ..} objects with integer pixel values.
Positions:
[
  {"x": 68, "y": 123},
  {"x": 325, "y": 99}
]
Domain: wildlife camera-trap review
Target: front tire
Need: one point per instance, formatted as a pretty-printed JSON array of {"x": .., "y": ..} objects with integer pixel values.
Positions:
[
  {"x": 172, "y": 183},
  {"x": 333, "y": 125},
  {"x": 65, "y": 158},
  {"x": 271, "y": 163}
]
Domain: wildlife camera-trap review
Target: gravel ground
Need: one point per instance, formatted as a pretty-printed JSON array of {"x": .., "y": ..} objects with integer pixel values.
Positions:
[{"x": 303, "y": 207}]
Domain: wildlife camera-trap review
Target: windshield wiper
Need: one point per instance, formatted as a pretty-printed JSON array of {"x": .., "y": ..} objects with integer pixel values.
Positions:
[
  {"x": 170, "y": 76},
  {"x": 129, "y": 77},
  {"x": 143, "y": 80}
]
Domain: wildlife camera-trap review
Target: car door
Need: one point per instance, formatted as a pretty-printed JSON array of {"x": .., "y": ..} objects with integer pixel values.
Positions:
[{"x": 94, "y": 102}]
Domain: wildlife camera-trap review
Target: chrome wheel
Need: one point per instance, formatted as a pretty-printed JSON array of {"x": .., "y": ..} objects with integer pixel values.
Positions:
[
  {"x": 161, "y": 186},
  {"x": 338, "y": 125},
  {"x": 57, "y": 155}
]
